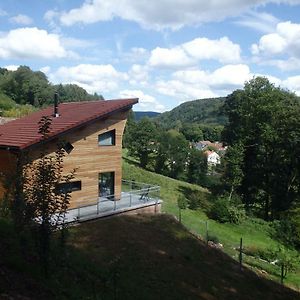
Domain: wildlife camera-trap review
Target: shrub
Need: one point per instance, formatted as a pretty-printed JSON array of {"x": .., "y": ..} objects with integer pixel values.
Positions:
[
  {"x": 198, "y": 199},
  {"x": 225, "y": 211},
  {"x": 268, "y": 254},
  {"x": 237, "y": 214},
  {"x": 287, "y": 230},
  {"x": 219, "y": 211}
]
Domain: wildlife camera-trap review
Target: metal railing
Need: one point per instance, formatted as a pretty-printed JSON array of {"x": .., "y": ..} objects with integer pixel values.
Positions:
[{"x": 134, "y": 195}]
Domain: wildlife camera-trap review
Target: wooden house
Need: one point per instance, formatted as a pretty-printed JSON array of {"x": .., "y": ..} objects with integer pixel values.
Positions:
[{"x": 91, "y": 133}]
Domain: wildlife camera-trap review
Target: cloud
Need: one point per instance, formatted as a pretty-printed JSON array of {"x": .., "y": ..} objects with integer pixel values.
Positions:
[
  {"x": 195, "y": 84},
  {"x": 262, "y": 22},
  {"x": 169, "y": 58},
  {"x": 160, "y": 14},
  {"x": 286, "y": 40},
  {"x": 146, "y": 102},
  {"x": 12, "y": 67},
  {"x": 138, "y": 74},
  {"x": 32, "y": 43},
  {"x": 293, "y": 84},
  {"x": 222, "y": 50},
  {"x": 21, "y": 19},
  {"x": 188, "y": 54},
  {"x": 93, "y": 78}
]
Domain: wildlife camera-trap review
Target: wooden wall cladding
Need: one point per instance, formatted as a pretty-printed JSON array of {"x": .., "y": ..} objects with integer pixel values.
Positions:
[{"x": 89, "y": 159}]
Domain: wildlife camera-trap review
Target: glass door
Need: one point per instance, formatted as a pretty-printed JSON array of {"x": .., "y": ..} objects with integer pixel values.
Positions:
[{"x": 106, "y": 184}]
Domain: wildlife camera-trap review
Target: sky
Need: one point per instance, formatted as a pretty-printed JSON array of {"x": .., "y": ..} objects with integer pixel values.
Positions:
[{"x": 164, "y": 52}]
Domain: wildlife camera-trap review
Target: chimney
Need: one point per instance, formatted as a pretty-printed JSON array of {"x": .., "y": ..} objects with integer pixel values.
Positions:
[{"x": 56, "y": 114}]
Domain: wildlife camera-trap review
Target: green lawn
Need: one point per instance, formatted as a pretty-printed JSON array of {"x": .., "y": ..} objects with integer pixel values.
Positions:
[{"x": 254, "y": 232}]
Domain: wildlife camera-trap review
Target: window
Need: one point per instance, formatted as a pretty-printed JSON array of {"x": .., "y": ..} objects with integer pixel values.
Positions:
[
  {"x": 68, "y": 147},
  {"x": 66, "y": 187},
  {"x": 107, "y": 139}
]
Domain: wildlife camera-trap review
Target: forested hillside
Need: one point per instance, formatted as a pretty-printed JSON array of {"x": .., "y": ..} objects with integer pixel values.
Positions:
[
  {"x": 23, "y": 90},
  {"x": 202, "y": 111}
]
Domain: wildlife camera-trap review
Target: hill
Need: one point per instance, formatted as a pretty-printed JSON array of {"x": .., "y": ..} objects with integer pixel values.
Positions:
[
  {"x": 144, "y": 257},
  {"x": 141, "y": 114},
  {"x": 136, "y": 257},
  {"x": 205, "y": 111}
]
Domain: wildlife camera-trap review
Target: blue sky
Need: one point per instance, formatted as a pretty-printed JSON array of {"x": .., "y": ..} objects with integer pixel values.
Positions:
[{"x": 163, "y": 52}]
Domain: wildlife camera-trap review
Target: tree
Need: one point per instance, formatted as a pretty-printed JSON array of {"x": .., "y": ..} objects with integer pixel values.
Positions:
[
  {"x": 192, "y": 132},
  {"x": 264, "y": 119},
  {"x": 142, "y": 140},
  {"x": 45, "y": 200},
  {"x": 197, "y": 167},
  {"x": 233, "y": 169}
]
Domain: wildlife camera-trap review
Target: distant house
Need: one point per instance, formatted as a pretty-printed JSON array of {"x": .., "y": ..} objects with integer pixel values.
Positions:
[
  {"x": 92, "y": 135},
  {"x": 208, "y": 145},
  {"x": 213, "y": 158}
]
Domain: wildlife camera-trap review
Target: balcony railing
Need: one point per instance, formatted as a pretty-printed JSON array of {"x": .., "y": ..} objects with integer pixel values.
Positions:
[{"x": 134, "y": 195}]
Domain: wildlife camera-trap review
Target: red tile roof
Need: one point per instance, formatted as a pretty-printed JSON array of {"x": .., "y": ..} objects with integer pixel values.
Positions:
[{"x": 23, "y": 132}]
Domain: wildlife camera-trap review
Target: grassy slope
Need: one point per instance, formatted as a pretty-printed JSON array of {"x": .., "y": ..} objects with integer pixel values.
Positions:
[
  {"x": 254, "y": 232},
  {"x": 136, "y": 257}
]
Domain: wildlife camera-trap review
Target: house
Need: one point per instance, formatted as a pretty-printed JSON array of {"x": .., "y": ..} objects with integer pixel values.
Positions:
[
  {"x": 92, "y": 137},
  {"x": 213, "y": 158},
  {"x": 208, "y": 145}
]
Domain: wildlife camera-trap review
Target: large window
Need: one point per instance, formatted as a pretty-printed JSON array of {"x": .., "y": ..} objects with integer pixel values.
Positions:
[
  {"x": 107, "y": 139},
  {"x": 66, "y": 187},
  {"x": 106, "y": 184}
]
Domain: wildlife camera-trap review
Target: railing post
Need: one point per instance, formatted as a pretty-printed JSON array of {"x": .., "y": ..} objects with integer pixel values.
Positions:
[
  {"x": 115, "y": 204},
  {"x": 98, "y": 207},
  {"x": 130, "y": 199},
  {"x": 78, "y": 213}
]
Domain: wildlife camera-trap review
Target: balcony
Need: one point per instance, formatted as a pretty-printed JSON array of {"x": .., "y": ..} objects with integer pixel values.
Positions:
[{"x": 135, "y": 197}]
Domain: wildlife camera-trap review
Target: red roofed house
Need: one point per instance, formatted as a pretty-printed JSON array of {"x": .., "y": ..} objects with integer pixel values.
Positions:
[{"x": 92, "y": 132}]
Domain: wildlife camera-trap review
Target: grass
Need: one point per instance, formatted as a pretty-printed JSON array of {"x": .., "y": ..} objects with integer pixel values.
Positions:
[
  {"x": 133, "y": 257},
  {"x": 255, "y": 232}
]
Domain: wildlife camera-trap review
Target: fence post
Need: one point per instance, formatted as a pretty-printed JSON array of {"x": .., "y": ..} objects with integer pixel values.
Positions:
[
  {"x": 241, "y": 253},
  {"x": 282, "y": 273},
  {"x": 130, "y": 199},
  {"x": 206, "y": 233}
]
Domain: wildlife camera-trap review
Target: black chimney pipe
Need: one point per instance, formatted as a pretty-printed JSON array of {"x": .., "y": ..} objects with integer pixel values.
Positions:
[{"x": 56, "y": 114}]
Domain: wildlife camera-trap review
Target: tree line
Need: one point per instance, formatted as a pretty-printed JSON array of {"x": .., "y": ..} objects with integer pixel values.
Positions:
[
  {"x": 260, "y": 169},
  {"x": 32, "y": 89}
]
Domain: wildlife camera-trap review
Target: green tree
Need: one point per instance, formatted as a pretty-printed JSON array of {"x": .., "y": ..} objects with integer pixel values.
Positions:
[
  {"x": 142, "y": 140},
  {"x": 265, "y": 120},
  {"x": 197, "y": 167},
  {"x": 233, "y": 174},
  {"x": 192, "y": 132},
  {"x": 45, "y": 203}
]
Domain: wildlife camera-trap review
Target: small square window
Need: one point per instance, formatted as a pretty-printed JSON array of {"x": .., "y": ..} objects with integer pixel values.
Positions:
[
  {"x": 68, "y": 147},
  {"x": 107, "y": 139}
]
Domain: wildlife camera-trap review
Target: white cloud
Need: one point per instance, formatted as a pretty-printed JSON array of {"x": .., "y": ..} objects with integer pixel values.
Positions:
[
  {"x": 31, "y": 43},
  {"x": 160, "y": 14},
  {"x": 169, "y": 58},
  {"x": 12, "y": 67},
  {"x": 195, "y": 84},
  {"x": 286, "y": 40},
  {"x": 45, "y": 69},
  {"x": 146, "y": 102},
  {"x": 93, "y": 78},
  {"x": 263, "y": 22},
  {"x": 21, "y": 19},
  {"x": 293, "y": 84},
  {"x": 222, "y": 50},
  {"x": 189, "y": 53},
  {"x": 138, "y": 74}
]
